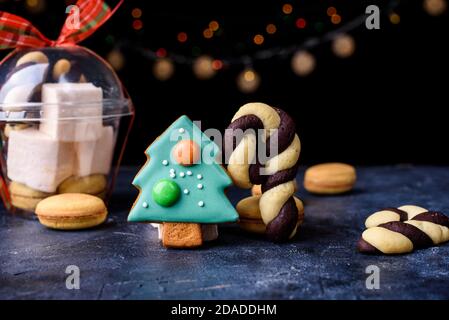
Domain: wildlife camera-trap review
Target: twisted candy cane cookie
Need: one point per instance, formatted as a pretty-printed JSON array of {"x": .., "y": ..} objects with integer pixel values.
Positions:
[
  {"x": 402, "y": 230},
  {"x": 278, "y": 208}
]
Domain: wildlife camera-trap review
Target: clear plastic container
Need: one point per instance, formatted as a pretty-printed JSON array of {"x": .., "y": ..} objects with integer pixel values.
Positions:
[{"x": 64, "y": 122}]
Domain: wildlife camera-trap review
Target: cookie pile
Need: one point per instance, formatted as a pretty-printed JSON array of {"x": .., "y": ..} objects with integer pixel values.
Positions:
[
  {"x": 67, "y": 148},
  {"x": 403, "y": 229}
]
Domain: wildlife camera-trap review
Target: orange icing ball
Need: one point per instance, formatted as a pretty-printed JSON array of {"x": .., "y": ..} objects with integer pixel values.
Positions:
[{"x": 186, "y": 152}]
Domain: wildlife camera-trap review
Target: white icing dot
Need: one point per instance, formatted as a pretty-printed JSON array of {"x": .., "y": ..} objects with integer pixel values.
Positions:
[
  {"x": 199, "y": 176},
  {"x": 201, "y": 203},
  {"x": 199, "y": 186},
  {"x": 181, "y": 130},
  {"x": 172, "y": 175},
  {"x": 182, "y": 174},
  {"x": 189, "y": 173},
  {"x": 186, "y": 191},
  {"x": 165, "y": 162},
  {"x": 172, "y": 170},
  {"x": 145, "y": 205}
]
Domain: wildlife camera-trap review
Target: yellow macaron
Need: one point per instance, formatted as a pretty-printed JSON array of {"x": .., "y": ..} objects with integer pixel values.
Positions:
[
  {"x": 71, "y": 211},
  {"x": 330, "y": 178}
]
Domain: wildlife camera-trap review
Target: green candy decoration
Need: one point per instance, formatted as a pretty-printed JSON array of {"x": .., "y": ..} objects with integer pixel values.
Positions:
[{"x": 166, "y": 192}]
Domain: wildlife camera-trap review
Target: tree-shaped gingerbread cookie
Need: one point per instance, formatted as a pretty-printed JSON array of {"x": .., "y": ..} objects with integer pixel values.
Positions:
[{"x": 182, "y": 185}]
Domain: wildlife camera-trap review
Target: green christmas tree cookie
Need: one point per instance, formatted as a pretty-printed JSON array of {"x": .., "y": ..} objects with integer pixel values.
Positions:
[{"x": 182, "y": 185}]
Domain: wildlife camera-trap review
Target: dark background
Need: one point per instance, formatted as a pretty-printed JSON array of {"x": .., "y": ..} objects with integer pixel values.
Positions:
[{"x": 383, "y": 105}]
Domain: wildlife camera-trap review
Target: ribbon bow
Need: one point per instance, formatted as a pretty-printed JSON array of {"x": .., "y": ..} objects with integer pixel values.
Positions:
[{"x": 84, "y": 18}]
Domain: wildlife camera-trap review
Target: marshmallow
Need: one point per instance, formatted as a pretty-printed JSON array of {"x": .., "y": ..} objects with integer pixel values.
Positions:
[
  {"x": 80, "y": 104},
  {"x": 95, "y": 157},
  {"x": 38, "y": 161}
]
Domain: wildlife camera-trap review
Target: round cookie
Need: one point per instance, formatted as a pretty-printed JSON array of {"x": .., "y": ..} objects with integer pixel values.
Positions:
[
  {"x": 94, "y": 184},
  {"x": 71, "y": 211},
  {"x": 24, "y": 197},
  {"x": 330, "y": 178}
]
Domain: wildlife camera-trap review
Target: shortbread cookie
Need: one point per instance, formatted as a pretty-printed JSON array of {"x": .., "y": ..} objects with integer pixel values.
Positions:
[
  {"x": 277, "y": 175},
  {"x": 181, "y": 235},
  {"x": 95, "y": 184},
  {"x": 330, "y": 178},
  {"x": 209, "y": 231},
  {"x": 24, "y": 197},
  {"x": 70, "y": 211},
  {"x": 423, "y": 230}
]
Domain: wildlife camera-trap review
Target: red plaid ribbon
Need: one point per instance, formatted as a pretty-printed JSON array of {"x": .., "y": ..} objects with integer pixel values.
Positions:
[{"x": 84, "y": 18}]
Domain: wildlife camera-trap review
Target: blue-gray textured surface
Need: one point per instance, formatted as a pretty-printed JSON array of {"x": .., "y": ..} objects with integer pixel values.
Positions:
[{"x": 126, "y": 261}]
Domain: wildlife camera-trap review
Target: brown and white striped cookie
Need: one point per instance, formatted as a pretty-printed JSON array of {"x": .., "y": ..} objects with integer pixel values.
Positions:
[
  {"x": 277, "y": 174},
  {"x": 402, "y": 213},
  {"x": 421, "y": 231}
]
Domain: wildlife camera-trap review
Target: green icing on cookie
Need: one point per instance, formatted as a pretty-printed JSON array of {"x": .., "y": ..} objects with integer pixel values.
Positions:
[{"x": 201, "y": 197}]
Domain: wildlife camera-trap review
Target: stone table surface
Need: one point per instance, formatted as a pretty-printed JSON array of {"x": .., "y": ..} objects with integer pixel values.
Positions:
[{"x": 120, "y": 260}]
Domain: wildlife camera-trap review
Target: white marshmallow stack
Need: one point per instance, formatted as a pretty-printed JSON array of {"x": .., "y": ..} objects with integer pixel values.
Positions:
[
  {"x": 72, "y": 100},
  {"x": 43, "y": 158},
  {"x": 38, "y": 161}
]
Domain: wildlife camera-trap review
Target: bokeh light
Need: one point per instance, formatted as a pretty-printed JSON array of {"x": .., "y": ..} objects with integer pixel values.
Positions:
[
  {"x": 331, "y": 11},
  {"x": 208, "y": 33},
  {"x": 287, "y": 8},
  {"x": 394, "y": 18},
  {"x": 303, "y": 63},
  {"x": 271, "y": 28},
  {"x": 435, "y": 7},
  {"x": 116, "y": 59},
  {"x": 214, "y": 25},
  {"x": 335, "y": 18},
  {"x": 217, "y": 64},
  {"x": 35, "y": 6},
  {"x": 161, "y": 53},
  {"x": 248, "y": 81},
  {"x": 136, "y": 13},
  {"x": 182, "y": 37},
  {"x": 203, "y": 67},
  {"x": 258, "y": 39},
  {"x": 343, "y": 46},
  {"x": 137, "y": 24},
  {"x": 163, "y": 69},
  {"x": 300, "y": 23}
]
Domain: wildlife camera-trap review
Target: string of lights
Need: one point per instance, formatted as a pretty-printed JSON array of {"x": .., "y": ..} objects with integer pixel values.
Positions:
[
  {"x": 206, "y": 66},
  {"x": 303, "y": 62}
]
